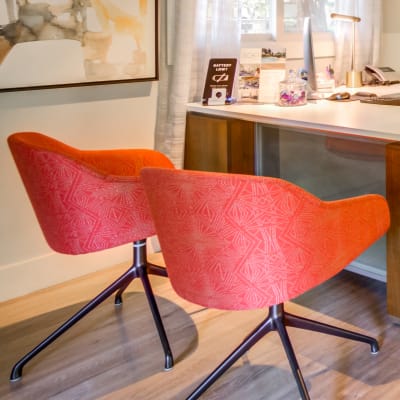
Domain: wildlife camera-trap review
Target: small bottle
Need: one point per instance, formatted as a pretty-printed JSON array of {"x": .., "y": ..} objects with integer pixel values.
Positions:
[{"x": 292, "y": 91}]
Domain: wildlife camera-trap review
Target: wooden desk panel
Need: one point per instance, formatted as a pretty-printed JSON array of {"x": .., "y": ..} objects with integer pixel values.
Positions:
[
  {"x": 393, "y": 235},
  {"x": 219, "y": 144}
]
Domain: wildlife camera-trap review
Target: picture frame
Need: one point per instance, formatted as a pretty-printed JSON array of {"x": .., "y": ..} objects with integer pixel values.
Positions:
[{"x": 52, "y": 44}]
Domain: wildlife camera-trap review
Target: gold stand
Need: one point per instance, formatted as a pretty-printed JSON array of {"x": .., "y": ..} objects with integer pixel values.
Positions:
[{"x": 354, "y": 79}]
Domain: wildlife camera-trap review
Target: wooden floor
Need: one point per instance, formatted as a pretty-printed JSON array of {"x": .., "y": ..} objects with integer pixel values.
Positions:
[{"x": 114, "y": 353}]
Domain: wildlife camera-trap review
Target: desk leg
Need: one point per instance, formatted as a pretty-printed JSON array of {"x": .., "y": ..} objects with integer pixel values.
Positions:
[{"x": 393, "y": 235}]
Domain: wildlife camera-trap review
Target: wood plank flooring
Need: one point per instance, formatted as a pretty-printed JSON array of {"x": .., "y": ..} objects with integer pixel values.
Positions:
[{"x": 114, "y": 353}]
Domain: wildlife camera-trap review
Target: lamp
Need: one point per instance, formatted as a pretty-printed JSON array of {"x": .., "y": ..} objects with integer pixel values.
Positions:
[{"x": 353, "y": 77}]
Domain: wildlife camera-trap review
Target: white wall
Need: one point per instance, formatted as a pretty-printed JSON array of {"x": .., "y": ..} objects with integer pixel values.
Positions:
[{"x": 107, "y": 116}]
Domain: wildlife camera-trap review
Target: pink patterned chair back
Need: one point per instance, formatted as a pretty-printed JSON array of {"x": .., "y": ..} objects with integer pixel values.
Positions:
[
  {"x": 85, "y": 200},
  {"x": 244, "y": 242}
]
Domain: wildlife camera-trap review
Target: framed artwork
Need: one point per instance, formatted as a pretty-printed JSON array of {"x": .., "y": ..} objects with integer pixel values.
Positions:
[{"x": 57, "y": 43}]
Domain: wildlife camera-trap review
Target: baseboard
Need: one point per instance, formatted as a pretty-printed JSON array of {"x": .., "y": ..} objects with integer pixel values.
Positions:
[
  {"x": 50, "y": 269},
  {"x": 367, "y": 270},
  {"x": 30, "y": 275}
]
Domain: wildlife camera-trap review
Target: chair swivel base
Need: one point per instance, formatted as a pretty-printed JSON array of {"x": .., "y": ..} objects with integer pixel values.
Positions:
[
  {"x": 139, "y": 269},
  {"x": 278, "y": 320}
]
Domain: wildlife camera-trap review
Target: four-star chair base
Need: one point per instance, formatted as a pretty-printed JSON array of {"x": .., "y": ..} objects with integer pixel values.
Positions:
[
  {"x": 278, "y": 320},
  {"x": 139, "y": 269}
]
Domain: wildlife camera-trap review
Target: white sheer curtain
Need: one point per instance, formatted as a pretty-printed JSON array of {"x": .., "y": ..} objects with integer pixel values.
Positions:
[
  {"x": 367, "y": 35},
  {"x": 202, "y": 29}
]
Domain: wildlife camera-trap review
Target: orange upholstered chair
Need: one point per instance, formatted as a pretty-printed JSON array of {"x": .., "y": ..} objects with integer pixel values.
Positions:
[
  {"x": 237, "y": 242},
  {"x": 87, "y": 201}
]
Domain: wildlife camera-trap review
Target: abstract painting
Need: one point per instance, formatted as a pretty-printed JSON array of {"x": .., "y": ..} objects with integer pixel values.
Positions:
[{"x": 57, "y": 43}]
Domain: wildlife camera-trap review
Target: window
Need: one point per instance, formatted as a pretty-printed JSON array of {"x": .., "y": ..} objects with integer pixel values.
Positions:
[
  {"x": 262, "y": 16},
  {"x": 273, "y": 23},
  {"x": 320, "y": 10},
  {"x": 256, "y": 16}
]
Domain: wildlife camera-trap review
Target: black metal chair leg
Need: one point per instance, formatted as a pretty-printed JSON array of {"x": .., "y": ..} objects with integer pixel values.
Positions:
[
  {"x": 259, "y": 332},
  {"x": 141, "y": 264},
  {"x": 304, "y": 323},
  {"x": 169, "y": 361},
  {"x": 154, "y": 269},
  {"x": 287, "y": 345},
  {"x": 16, "y": 371},
  {"x": 118, "y": 296}
]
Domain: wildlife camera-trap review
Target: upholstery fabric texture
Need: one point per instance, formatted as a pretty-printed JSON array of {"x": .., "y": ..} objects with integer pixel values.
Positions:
[
  {"x": 85, "y": 200},
  {"x": 243, "y": 242}
]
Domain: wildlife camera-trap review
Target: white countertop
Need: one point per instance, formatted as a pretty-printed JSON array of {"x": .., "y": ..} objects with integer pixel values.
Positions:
[{"x": 351, "y": 117}]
